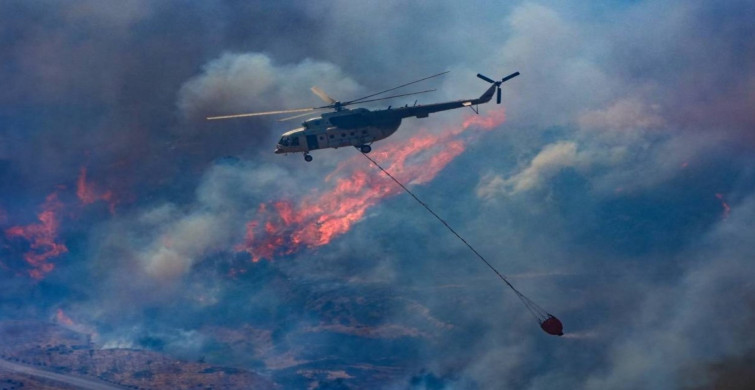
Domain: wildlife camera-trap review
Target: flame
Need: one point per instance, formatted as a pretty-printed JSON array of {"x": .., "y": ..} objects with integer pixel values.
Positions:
[
  {"x": 63, "y": 319},
  {"x": 283, "y": 227},
  {"x": 88, "y": 193},
  {"x": 727, "y": 209},
  {"x": 42, "y": 238}
]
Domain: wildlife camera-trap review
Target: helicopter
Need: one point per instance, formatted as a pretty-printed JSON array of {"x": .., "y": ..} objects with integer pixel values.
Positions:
[{"x": 360, "y": 127}]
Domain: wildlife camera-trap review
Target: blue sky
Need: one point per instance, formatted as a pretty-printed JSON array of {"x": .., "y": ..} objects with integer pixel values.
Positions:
[{"x": 617, "y": 193}]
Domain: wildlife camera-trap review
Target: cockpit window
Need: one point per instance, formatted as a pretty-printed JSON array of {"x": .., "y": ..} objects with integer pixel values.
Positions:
[{"x": 283, "y": 141}]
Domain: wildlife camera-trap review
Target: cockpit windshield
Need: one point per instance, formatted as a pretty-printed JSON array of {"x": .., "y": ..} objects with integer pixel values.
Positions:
[{"x": 289, "y": 140}]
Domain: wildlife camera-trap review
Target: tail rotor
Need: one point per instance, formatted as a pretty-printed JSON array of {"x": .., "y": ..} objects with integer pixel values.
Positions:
[{"x": 498, "y": 83}]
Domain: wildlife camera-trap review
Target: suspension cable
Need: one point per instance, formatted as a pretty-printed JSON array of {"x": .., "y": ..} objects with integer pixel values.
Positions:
[{"x": 538, "y": 312}]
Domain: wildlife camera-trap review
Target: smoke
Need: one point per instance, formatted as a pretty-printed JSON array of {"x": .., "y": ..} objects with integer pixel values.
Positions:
[
  {"x": 625, "y": 114},
  {"x": 686, "y": 321},
  {"x": 544, "y": 166},
  {"x": 240, "y": 82},
  {"x": 623, "y": 180}
]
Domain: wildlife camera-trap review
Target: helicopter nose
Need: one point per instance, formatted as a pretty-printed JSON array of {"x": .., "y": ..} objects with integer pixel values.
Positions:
[{"x": 278, "y": 150}]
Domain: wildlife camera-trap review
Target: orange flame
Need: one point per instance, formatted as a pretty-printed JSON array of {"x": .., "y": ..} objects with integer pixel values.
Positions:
[
  {"x": 88, "y": 193},
  {"x": 63, "y": 319},
  {"x": 41, "y": 237},
  {"x": 283, "y": 227},
  {"x": 727, "y": 209}
]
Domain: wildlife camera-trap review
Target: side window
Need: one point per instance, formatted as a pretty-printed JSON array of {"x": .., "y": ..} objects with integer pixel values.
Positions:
[{"x": 294, "y": 141}]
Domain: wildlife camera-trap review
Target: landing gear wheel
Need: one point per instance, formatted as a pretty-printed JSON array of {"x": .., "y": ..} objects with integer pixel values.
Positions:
[
  {"x": 365, "y": 149},
  {"x": 307, "y": 158}
]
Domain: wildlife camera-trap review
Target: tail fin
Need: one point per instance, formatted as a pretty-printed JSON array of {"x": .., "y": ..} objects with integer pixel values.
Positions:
[
  {"x": 487, "y": 95},
  {"x": 496, "y": 87}
]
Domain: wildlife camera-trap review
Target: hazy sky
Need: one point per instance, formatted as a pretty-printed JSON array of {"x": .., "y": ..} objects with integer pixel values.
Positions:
[{"x": 615, "y": 185}]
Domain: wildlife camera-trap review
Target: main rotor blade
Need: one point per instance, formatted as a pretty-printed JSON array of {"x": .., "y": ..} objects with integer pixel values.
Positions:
[
  {"x": 488, "y": 79},
  {"x": 209, "y": 118},
  {"x": 360, "y": 100},
  {"x": 295, "y": 116},
  {"x": 391, "y": 97},
  {"x": 322, "y": 95}
]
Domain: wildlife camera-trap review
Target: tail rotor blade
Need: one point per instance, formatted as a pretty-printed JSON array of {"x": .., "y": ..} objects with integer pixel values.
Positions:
[
  {"x": 498, "y": 96},
  {"x": 509, "y": 77},
  {"x": 488, "y": 79}
]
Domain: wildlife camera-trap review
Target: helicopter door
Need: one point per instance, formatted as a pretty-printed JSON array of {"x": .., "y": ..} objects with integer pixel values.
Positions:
[{"x": 311, "y": 142}]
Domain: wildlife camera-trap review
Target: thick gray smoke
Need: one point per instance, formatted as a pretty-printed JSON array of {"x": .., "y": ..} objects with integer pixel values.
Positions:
[
  {"x": 239, "y": 82},
  {"x": 618, "y": 192}
]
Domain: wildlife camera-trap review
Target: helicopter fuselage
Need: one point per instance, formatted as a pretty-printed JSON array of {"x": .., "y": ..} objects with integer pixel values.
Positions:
[
  {"x": 360, "y": 127},
  {"x": 357, "y": 127}
]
